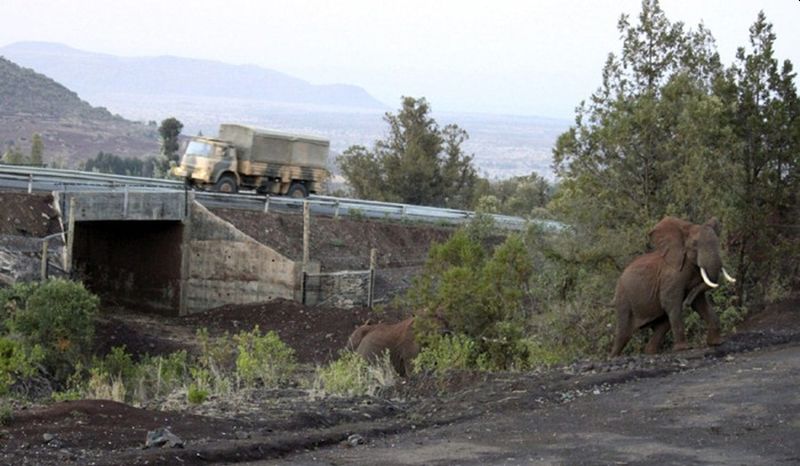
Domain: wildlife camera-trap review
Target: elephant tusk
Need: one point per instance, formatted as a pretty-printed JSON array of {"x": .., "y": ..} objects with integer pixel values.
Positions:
[
  {"x": 706, "y": 279},
  {"x": 728, "y": 277}
]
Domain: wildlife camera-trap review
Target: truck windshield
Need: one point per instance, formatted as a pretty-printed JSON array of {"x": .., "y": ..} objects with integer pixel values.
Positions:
[{"x": 202, "y": 149}]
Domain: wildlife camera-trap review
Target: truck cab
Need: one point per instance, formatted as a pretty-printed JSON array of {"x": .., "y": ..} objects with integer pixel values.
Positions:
[{"x": 209, "y": 163}]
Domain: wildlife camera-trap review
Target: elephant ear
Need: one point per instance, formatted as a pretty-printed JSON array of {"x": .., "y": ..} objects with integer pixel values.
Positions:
[{"x": 669, "y": 238}]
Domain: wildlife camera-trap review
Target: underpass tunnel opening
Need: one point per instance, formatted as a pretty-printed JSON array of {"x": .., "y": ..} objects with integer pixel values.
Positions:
[{"x": 133, "y": 263}]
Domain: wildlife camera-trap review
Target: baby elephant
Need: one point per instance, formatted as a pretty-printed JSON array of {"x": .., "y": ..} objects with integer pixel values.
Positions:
[{"x": 371, "y": 340}]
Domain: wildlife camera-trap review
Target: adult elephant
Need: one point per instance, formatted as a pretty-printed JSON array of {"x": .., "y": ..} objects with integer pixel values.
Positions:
[
  {"x": 372, "y": 340},
  {"x": 653, "y": 289}
]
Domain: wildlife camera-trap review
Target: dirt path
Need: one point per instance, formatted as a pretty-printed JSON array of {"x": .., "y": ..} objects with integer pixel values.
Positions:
[{"x": 744, "y": 409}]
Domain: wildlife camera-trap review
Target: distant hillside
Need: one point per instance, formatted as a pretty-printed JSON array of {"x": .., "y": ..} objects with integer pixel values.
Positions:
[
  {"x": 25, "y": 92},
  {"x": 72, "y": 130},
  {"x": 94, "y": 74}
]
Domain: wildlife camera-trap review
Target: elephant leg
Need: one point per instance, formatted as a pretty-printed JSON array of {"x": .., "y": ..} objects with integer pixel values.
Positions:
[
  {"x": 703, "y": 307},
  {"x": 674, "y": 309},
  {"x": 624, "y": 331},
  {"x": 659, "y": 331}
]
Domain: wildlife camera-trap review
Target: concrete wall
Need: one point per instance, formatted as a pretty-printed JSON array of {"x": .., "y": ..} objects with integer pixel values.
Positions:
[{"x": 222, "y": 265}]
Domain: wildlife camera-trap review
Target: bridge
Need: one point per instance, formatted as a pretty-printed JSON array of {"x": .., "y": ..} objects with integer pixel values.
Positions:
[{"x": 165, "y": 251}]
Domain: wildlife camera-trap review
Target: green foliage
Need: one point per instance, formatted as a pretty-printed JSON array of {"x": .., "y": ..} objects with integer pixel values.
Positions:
[
  {"x": 17, "y": 363},
  {"x": 417, "y": 163},
  {"x": 13, "y": 299},
  {"x": 478, "y": 296},
  {"x": 519, "y": 195},
  {"x": 351, "y": 375},
  {"x": 109, "y": 163},
  {"x": 447, "y": 352},
  {"x": 263, "y": 358},
  {"x": 216, "y": 362},
  {"x": 58, "y": 316},
  {"x": 672, "y": 132},
  {"x": 196, "y": 395},
  {"x": 170, "y": 130}
]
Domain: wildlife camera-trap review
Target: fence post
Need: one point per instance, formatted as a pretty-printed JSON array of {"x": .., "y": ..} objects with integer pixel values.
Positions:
[
  {"x": 373, "y": 264},
  {"x": 30, "y": 183},
  {"x": 44, "y": 260},
  {"x": 266, "y": 204}
]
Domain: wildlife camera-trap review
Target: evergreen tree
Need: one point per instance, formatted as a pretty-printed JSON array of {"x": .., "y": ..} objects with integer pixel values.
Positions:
[
  {"x": 765, "y": 113},
  {"x": 417, "y": 163},
  {"x": 170, "y": 130},
  {"x": 650, "y": 131}
]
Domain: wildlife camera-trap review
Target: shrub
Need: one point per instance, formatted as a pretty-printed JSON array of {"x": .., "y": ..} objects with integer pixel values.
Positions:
[
  {"x": 17, "y": 363},
  {"x": 58, "y": 316},
  {"x": 445, "y": 352},
  {"x": 217, "y": 360},
  {"x": 12, "y": 299},
  {"x": 352, "y": 375},
  {"x": 475, "y": 295},
  {"x": 116, "y": 376},
  {"x": 196, "y": 395},
  {"x": 263, "y": 358}
]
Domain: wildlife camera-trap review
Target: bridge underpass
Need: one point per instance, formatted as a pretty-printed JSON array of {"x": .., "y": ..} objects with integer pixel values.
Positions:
[
  {"x": 166, "y": 253},
  {"x": 136, "y": 263}
]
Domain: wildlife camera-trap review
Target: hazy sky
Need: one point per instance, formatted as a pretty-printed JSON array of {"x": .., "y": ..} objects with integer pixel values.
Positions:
[{"x": 523, "y": 57}]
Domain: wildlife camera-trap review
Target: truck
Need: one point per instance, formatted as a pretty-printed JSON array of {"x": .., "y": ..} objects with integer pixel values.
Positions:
[{"x": 244, "y": 157}]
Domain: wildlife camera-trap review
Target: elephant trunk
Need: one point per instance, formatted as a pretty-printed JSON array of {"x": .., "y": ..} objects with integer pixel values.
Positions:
[{"x": 710, "y": 268}]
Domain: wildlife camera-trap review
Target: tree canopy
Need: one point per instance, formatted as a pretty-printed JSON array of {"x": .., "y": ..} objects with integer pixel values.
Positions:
[
  {"x": 417, "y": 162},
  {"x": 671, "y": 131}
]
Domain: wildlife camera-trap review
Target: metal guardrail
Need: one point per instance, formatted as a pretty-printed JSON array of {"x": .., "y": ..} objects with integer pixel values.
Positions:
[{"x": 50, "y": 179}]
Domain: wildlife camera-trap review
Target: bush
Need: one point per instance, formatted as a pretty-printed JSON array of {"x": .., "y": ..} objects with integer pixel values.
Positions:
[
  {"x": 446, "y": 352},
  {"x": 263, "y": 358},
  {"x": 352, "y": 375},
  {"x": 17, "y": 363},
  {"x": 13, "y": 299},
  {"x": 479, "y": 297},
  {"x": 58, "y": 316},
  {"x": 196, "y": 395}
]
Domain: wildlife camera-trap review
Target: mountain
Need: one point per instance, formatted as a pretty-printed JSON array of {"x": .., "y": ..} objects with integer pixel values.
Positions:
[
  {"x": 93, "y": 74},
  {"x": 71, "y": 129}
]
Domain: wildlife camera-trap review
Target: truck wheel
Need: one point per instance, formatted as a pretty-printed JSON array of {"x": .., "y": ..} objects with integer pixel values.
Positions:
[
  {"x": 297, "y": 190},
  {"x": 226, "y": 184}
]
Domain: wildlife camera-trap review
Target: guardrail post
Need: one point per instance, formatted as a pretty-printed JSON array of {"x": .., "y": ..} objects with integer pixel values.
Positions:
[
  {"x": 336, "y": 209},
  {"x": 30, "y": 183},
  {"x": 403, "y": 212},
  {"x": 266, "y": 204}
]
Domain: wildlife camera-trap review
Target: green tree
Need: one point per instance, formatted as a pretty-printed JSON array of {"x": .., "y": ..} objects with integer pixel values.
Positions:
[
  {"x": 170, "y": 130},
  {"x": 417, "y": 162},
  {"x": 765, "y": 113},
  {"x": 37, "y": 150},
  {"x": 519, "y": 195},
  {"x": 647, "y": 133}
]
